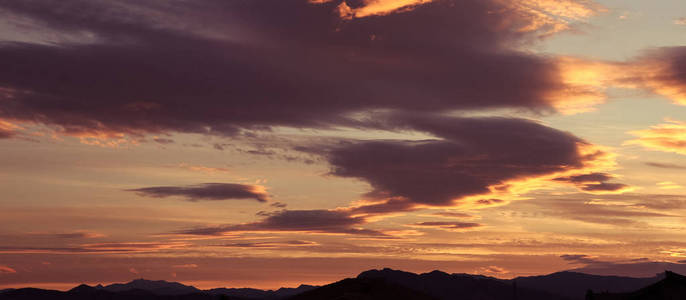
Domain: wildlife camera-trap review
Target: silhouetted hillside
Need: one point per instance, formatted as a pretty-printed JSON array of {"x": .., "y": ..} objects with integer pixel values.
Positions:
[
  {"x": 435, "y": 285},
  {"x": 672, "y": 287},
  {"x": 158, "y": 287},
  {"x": 84, "y": 292},
  {"x": 153, "y": 290},
  {"x": 574, "y": 285},
  {"x": 248, "y": 293},
  {"x": 363, "y": 289}
]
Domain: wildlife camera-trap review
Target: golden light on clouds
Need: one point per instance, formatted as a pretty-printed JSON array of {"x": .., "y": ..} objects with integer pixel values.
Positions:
[
  {"x": 667, "y": 137},
  {"x": 584, "y": 84},
  {"x": 384, "y": 7},
  {"x": 553, "y": 16}
]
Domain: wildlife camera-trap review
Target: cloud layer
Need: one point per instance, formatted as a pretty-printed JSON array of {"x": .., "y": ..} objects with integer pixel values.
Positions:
[
  {"x": 265, "y": 63},
  {"x": 313, "y": 221}
]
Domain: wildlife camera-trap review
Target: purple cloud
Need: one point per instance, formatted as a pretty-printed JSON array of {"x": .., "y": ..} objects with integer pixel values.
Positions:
[{"x": 207, "y": 191}]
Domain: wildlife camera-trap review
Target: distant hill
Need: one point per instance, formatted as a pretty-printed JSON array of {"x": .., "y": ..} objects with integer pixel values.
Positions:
[
  {"x": 158, "y": 287},
  {"x": 84, "y": 292},
  {"x": 248, "y": 293},
  {"x": 672, "y": 287},
  {"x": 574, "y": 285},
  {"x": 363, "y": 289},
  {"x": 434, "y": 285},
  {"x": 153, "y": 290}
]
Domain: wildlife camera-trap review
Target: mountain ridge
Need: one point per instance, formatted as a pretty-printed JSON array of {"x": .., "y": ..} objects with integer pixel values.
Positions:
[{"x": 370, "y": 284}]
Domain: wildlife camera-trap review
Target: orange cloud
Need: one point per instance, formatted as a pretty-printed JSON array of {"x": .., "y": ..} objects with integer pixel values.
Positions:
[
  {"x": 202, "y": 169},
  {"x": 551, "y": 16},
  {"x": 492, "y": 270},
  {"x": 548, "y": 16},
  {"x": 448, "y": 226},
  {"x": 7, "y": 129},
  {"x": 384, "y": 7},
  {"x": 7, "y": 270},
  {"x": 668, "y": 137},
  {"x": 186, "y": 266}
]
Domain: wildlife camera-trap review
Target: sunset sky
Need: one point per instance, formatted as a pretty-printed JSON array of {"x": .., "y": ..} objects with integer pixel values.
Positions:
[{"x": 269, "y": 143}]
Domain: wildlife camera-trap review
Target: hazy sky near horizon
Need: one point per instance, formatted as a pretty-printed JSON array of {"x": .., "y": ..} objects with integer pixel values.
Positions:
[{"x": 269, "y": 143}]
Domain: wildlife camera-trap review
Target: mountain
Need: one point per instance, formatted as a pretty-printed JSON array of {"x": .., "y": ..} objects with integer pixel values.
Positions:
[
  {"x": 574, "y": 285},
  {"x": 248, "y": 293},
  {"x": 158, "y": 287},
  {"x": 672, "y": 287},
  {"x": 363, "y": 289},
  {"x": 434, "y": 285},
  {"x": 154, "y": 290},
  {"x": 85, "y": 292}
]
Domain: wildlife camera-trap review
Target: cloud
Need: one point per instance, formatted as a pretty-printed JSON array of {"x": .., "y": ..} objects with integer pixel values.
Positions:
[
  {"x": 668, "y": 137},
  {"x": 547, "y": 16},
  {"x": 6, "y": 270},
  {"x": 103, "y": 248},
  {"x": 312, "y": 221},
  {"x": 469, "y": 157},
  {"x": 239, "y": 72},
  {"x": 163, "y": 141},
  {"x": 492, "y": 270},
  {"x": 660, "y": 70},
  {"x": 278, "y": 205},
  {"x": 615, "y": 210},
  {"x": 207, "y": 191},
  {"x": 665, "y": 165},
  {"x": 450, "y": 226},
  {"x": 202, "y": 169},
  {"x": 595, "y": 183},
  {"x": 639, "y": 268},
  {"x": 450, "y": 214},
  {"x": 578, "y": 258},
  {"x": 293, "y": 243},
  {"x": 7, "y": 129},
  {"x": 69, "y": 235},
  {"x": 185, "y": 266}
]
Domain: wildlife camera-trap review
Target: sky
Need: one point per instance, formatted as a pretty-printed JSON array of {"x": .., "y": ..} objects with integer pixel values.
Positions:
[{"x": 270, "y": 143}]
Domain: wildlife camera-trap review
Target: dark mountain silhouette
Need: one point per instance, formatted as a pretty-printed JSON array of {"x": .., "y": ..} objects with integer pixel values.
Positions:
[
  {"x": 363, "y": 289},
  {"x": 158, "y": 287},
  {"x": 574, "y": 285},
  {"x": 392, "y": 284},
  {"x": 248, "y": 293},
  {"x": 434, "y": 285},
  {"x": 84, "y": 292},
  {"x": 149, "y": 289},
  {"x": 672, "y": 287}
]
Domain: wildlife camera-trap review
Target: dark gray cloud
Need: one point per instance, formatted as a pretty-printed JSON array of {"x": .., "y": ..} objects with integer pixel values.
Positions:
[
  {"x": 276, "y": 244},
  {"x": 315, "y": 221},
  {"x": 448, "y": 214},
  {"x": 206, "y": 191},
  {"x": 163, "y": 141},
  {"x": 469, "y": 156},
  {"x": 578, "y": 258},
  {"x": 219, "y": 67},
  {"x": 449, "y": 225},
  {"x": 593, "y": 182}
]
